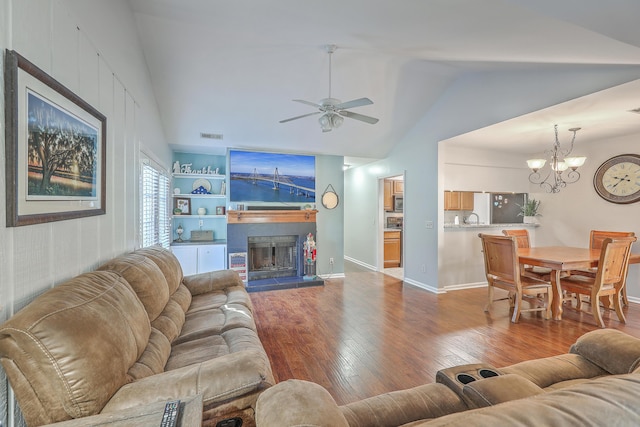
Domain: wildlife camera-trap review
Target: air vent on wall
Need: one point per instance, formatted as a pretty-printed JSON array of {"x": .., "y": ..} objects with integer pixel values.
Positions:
[{"x": 211, "y": 135}]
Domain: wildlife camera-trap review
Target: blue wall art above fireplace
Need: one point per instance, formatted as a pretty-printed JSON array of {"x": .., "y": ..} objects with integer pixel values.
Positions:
[{"x": 271, "y": 177}]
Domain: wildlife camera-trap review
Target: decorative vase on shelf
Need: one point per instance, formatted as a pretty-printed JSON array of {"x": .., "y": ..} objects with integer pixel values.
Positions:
[
  {"x": 202, "y": 211},
  {"x": 530, "y": 220}
]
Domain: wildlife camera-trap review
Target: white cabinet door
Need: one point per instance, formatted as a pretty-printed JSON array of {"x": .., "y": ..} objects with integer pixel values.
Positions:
[
  {"x": 211, "y": 258},
  {"x": 188, "y": 257}
]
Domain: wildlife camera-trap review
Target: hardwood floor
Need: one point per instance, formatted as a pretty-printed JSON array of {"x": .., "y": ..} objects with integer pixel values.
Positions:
[{"x": 369, "y": 333}]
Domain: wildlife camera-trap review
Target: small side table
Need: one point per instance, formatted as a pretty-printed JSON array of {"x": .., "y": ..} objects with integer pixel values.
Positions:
[{"x": 142, "y": 416}]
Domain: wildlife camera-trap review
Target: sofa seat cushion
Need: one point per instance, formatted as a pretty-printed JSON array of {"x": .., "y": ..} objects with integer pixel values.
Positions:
[
  {"x": 219, "y": 381},
  {"x": 214, "y": 346},
  {"x": 215, "y": 321},
  {"x": 218, "y": 298}
]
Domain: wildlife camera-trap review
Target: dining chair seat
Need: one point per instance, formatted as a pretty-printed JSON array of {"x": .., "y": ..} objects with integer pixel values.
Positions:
[
  {"x": 503, "y": 271},
  {"x": 609, "y": 279}
]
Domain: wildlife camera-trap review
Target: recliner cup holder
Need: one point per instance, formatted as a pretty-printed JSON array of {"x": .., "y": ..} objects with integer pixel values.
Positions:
[
  {"x": 457, "y": 377},
  {"x": 465, "y": 378},
  {"x": 487, "y": 373}
]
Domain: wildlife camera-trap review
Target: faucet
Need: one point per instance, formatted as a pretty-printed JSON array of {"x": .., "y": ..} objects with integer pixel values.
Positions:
[{"x": 467, "y": 221}]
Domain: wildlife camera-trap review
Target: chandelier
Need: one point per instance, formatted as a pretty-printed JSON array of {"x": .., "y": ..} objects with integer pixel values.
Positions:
[{"x": 556, "y": 178}]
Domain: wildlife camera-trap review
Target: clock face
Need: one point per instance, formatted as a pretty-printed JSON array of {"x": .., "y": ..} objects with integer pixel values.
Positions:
[{"x": 618, "y": 179}]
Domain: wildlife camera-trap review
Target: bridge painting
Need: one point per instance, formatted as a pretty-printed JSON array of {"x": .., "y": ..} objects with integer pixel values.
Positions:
[{"x": 271, "y": 177}]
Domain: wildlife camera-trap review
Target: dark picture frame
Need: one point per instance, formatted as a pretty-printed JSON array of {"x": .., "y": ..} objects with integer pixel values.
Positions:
[
  {"x": 182, "y": 204},
  {"x": 55, "y": 148}
]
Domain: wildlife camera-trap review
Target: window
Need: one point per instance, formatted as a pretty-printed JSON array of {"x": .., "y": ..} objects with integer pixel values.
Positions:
[{"x": 155, "y": 221}]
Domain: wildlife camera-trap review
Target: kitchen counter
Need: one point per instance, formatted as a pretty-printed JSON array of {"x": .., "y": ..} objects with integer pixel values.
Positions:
[{"x": 449, "y": 227}]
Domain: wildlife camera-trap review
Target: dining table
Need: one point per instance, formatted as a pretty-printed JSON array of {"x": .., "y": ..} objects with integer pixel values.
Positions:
[{"x": 559, "y": 259}]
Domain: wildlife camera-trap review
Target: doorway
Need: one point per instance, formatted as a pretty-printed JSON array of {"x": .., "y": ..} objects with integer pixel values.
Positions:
[{"x": 391, "y": 230}]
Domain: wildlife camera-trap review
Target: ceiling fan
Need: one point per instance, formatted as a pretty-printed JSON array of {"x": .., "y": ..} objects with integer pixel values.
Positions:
[{"x": 333, "y": 110}]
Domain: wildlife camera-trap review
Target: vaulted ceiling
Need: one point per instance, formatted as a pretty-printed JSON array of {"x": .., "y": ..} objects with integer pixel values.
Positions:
[{"x": 232, "y": 68}]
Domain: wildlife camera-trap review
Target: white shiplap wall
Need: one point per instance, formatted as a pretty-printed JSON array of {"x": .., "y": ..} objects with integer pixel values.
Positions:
[{"x": 64, "y": 38}]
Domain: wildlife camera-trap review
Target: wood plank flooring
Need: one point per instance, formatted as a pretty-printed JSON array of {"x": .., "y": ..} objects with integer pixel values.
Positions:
[{"x": 369, "y": 333}]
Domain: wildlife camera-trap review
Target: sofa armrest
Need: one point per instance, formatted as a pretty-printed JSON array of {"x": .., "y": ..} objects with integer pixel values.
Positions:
[
  {"x": 212, "y": 281},
  {"x": 191, "y": 416},
  {"x": 499, "y": 389},
  {"x": 218, "y": 380},
  {"x": 612, "y": 350},
  {"x": 298, "y": 403}
]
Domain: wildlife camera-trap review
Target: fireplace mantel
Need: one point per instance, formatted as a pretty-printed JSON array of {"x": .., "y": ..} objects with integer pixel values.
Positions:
[{"x": 270, "y": 216}]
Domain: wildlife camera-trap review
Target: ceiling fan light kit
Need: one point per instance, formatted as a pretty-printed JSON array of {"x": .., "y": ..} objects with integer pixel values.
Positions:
[{"x": 333, "y": 110}]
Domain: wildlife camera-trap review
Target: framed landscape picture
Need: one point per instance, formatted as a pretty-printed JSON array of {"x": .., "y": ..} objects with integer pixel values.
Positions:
[{"x": 55, "y": 148}]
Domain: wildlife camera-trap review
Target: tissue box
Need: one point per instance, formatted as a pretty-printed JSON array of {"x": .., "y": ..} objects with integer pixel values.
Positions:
[{"x": 201, "y": 235}]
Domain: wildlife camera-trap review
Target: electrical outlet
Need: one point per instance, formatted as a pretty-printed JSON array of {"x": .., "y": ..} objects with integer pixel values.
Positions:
[
  {"x": 429, "y": 224},
  {"x": 424, "y": 268},
  {"x": 201, "y": 222},
  {"x": 331, "y": 261}
]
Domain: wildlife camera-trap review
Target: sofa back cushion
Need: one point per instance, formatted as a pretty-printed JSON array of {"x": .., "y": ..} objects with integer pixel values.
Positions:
[
  {"x": 146, "y": 279},
  {"x": 70, "y": 350},
  {"x": 167, "y": 262}
]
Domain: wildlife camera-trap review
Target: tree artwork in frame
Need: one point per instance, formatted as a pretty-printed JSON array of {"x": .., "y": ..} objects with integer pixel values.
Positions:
[{"x": 55, "y": 148}]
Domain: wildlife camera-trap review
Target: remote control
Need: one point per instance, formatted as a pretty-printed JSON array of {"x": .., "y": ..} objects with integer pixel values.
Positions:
[{"x": 170, "y": 415}]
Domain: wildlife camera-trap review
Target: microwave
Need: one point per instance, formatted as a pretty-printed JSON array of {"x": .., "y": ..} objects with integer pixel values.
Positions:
[{"x": 397, "y": 203}]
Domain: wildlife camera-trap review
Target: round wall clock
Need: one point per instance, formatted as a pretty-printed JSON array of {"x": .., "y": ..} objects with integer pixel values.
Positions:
[
  {"x": 618, "y": 179},
  {"x": 330, "y": 198}
]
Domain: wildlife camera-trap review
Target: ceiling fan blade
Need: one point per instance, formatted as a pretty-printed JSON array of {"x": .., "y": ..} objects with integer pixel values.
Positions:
[
  {"x": 299, "y": 117},
  {"x": 355, "y": 103},
  {"x": 313, "y": 104},
  {"x": 362, "y": 118}
]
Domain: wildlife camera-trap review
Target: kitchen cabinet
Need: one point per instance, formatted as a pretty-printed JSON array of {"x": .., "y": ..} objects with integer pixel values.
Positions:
[
  {"x": 398, "y": 187},
  {"x": 392, "y": 249},
  {"x": 388, "y": 195},
  {"x": 196, "y": 259},
  {"x": 458, "y": 201}
]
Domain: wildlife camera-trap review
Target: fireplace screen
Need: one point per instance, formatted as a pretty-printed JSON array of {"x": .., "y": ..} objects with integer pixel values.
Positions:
[{"x": 273, "y": 256}]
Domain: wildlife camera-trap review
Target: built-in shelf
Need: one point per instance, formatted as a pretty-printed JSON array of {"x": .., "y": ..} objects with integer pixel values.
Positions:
[
  {"x": 199, "y": 175},
  {"x": 201, "y": 196}
]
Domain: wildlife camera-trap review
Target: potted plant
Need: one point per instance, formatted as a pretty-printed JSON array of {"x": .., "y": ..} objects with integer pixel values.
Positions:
[{"x": 529, "y": 210}]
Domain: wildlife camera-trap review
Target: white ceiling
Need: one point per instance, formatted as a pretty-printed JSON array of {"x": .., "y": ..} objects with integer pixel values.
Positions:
[{"x": 233, "y": 67}]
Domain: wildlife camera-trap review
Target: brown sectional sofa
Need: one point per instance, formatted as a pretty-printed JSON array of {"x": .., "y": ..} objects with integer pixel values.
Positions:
[
  {"x": 132, "y": 333},
  {"x": 595, "y": 384}
]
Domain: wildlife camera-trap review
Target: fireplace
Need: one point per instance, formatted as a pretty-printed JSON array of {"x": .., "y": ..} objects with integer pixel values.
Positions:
[
  {"x": 270, "y": 244},
  {"x": 272, "y": 256}
]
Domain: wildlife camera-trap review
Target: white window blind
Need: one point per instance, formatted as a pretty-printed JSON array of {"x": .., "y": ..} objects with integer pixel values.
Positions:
[{"x": 155, "y": 225}]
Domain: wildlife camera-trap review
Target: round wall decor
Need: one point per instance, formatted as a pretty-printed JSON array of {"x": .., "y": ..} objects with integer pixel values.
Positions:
[
  {"x": 617, "y": 180},
  {"x": 330, "y": 198}
]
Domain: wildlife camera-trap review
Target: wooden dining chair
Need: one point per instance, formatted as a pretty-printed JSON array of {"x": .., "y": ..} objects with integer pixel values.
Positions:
[
  {"x": 596, "y": 237},
  {"x": 609, "y": 280},
  {"x": 503, "y": 271},
  {"x": 522, "y": 238}
]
